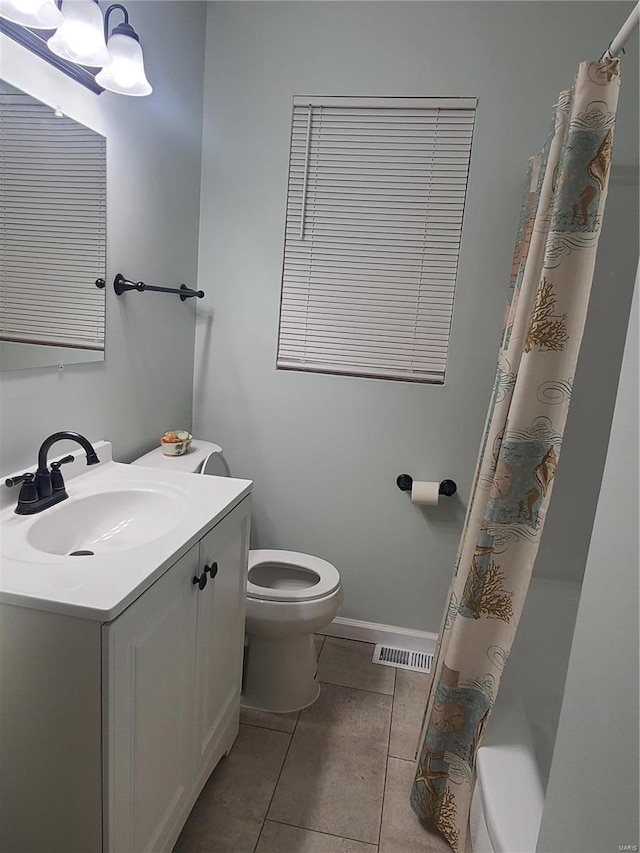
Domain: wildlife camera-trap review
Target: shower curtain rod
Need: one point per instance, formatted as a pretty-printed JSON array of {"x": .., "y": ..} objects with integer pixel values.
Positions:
[{"x": 626, "y": 31}]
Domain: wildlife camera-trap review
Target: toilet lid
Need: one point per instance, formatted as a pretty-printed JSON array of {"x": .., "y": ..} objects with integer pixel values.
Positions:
[{"x": 289, "y": 576}]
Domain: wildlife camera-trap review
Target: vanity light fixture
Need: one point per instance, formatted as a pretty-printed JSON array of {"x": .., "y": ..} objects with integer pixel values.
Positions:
[
  {"x": 71, "y": 35},
  {"x": 80, "y": 37},
  {"x": 125, "y": 74},
  {"x": 37, "y": 14}
]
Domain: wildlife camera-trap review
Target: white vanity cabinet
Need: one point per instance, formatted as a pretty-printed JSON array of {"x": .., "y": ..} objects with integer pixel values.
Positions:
[
  {"x": 172, "y": 677},
  {"x": 120, "y": 724}
]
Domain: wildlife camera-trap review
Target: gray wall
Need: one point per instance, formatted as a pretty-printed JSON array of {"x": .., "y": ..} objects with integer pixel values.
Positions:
[
  {"x": 539, "y": 659},
  {"x": 153, "y": 163},
  {"x": 565, "y": 539},
  {"x": 324, "y": 451},
  {"x": 592, "y": 796}
]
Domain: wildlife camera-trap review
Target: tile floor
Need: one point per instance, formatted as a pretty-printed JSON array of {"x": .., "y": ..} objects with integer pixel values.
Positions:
[{"x": 334, "y": 778}]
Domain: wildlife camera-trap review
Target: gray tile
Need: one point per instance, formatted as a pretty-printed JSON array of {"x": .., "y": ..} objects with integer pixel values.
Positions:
[
  {"x": 348, "y": 663},
  {"x": 333, "y": 778},
  {"x": 228, "y": 815},
  {"x": 409, "y": 702},
  {"x": 268, "y": 720},
  {"x": 401, "y": 831},
  {"x": 279, "y": 838}
]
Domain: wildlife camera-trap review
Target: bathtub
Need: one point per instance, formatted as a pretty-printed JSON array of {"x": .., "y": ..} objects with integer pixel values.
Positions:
[
  {"x": 508, "y": 798},
  {"x": 513, "y": 763}
]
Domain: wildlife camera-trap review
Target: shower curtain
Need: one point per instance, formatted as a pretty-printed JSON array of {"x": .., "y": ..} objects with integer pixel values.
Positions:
[{"x": 551, "y": 279}]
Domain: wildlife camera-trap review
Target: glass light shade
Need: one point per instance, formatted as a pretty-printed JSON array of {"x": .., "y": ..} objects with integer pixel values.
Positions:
[
  {"x": 36, "y": 14},
  {"x": 80, "y": 39},
  {"x": 125, "y": 74}
]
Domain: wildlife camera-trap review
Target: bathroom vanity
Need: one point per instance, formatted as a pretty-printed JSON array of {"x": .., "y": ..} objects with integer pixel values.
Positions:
[{"x": 121, "y": 671}]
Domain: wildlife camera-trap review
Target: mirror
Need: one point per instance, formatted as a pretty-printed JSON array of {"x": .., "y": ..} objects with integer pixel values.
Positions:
[{"x": 53, "y": 222}]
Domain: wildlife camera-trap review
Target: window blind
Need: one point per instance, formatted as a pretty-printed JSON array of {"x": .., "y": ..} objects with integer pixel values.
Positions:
[
  {"x": 374, "y": 216},
  {"x": 52, "y": 227}
]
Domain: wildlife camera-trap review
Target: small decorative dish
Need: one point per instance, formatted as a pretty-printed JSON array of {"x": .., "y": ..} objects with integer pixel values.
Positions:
[{"x": 176, "y": 442}]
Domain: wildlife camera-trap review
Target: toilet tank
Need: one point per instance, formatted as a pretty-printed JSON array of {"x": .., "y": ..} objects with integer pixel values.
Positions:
[{"x": 203, "y": 457}]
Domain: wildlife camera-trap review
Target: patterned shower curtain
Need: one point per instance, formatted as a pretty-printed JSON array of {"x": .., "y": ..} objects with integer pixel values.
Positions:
[{"x": 545, "y": 315}]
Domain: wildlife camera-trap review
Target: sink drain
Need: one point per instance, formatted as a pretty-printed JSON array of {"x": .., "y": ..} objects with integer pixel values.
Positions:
[{"x": 82, "y": 554}]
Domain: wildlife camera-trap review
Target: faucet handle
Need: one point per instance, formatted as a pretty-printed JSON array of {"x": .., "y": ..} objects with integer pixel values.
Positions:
[
  {"x": 13, "y": 481},
  {"x": 28, "y": 492},
  {"x": 57, "y": 481},
  {"x": 55, "y": 466},
  {"x": 23, "y": 478}
]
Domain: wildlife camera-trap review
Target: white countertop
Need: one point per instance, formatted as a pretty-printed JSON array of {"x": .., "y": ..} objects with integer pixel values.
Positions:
[{"x": 101, "y": 586}]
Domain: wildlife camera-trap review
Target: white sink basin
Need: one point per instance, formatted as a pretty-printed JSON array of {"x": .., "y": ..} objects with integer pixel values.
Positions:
[
  {"x": 135, "y": 523},
  {"x": 106, "y": 522}
]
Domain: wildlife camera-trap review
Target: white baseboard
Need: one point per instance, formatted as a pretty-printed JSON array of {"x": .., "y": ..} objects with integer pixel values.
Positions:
[{"x": 373, "y": 632}]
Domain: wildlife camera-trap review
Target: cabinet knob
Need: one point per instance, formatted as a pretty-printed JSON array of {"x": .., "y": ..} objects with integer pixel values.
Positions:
[
  {"x": 202, "y": 580},
  {"x": 212, "y": 569}
]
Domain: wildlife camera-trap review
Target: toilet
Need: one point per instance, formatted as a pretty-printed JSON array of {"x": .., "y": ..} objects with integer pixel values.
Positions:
[{"x": 290, "y": 596}]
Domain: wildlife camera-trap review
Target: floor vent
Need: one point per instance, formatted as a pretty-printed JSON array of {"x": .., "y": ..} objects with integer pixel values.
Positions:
[{"x": 403, "y": 658}]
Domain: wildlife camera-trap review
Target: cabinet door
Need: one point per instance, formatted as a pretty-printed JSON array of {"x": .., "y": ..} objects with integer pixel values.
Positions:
[
  {"x": 149, "y": 688},
  {"x": 220, "y": 638}
]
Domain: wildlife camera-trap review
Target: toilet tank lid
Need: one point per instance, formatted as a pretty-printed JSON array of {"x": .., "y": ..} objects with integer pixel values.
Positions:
[{"x": 190, "y": 462}]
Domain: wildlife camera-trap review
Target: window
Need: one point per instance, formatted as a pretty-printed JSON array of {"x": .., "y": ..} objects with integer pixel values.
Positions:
[{"x": 373, "y": 226}]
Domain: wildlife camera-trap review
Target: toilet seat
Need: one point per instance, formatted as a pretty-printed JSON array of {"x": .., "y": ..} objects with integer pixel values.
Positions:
[{"x": 297, "y": 582}]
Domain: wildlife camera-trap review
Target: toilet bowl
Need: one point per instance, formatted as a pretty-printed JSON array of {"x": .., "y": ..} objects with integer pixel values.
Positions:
[{"x": 290, "y": 596}]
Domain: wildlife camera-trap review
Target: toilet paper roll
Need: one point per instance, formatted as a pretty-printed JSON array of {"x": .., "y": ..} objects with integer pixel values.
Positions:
[{"x": 425, "y": 494}]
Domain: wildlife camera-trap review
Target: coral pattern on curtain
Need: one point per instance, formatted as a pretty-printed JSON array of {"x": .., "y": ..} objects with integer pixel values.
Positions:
[{"x": 544, "y": 321}]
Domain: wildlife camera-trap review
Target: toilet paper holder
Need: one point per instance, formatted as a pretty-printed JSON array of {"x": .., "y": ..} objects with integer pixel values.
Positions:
[{"x": 447, "y": 487}]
